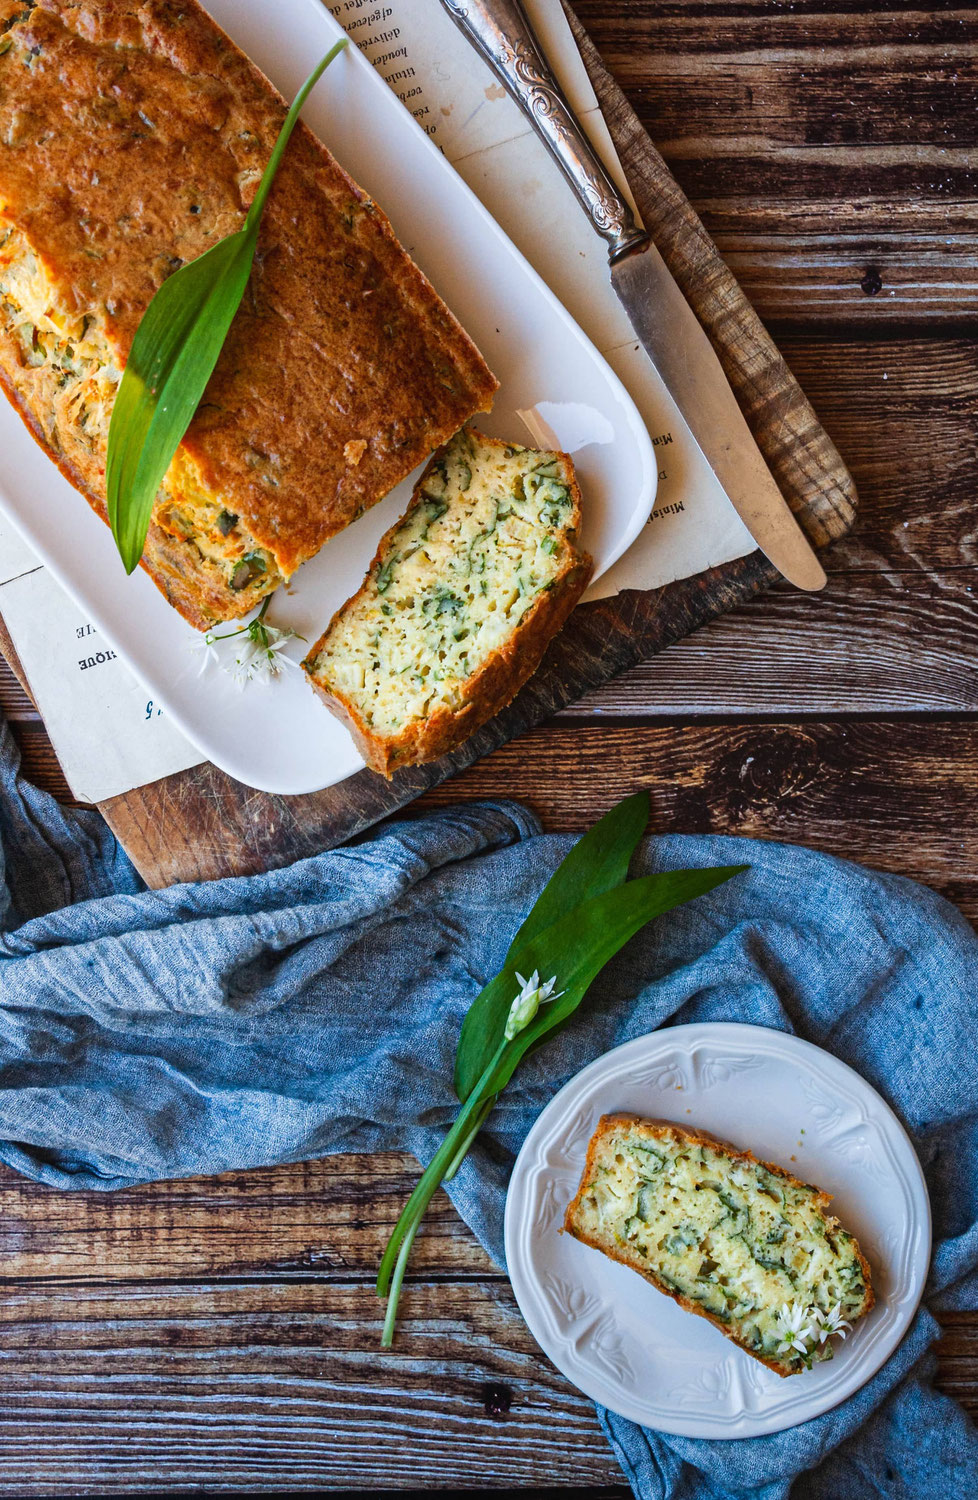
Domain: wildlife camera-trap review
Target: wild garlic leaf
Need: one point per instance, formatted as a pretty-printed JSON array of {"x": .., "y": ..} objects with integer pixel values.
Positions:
[
  {"x": 173, "y": 355},
  {"x": 598, "y": 862},
  {"x": 590, "y": 936},
  {"x": 172, "y": 358},
  {"x": 575, "y": 948}
]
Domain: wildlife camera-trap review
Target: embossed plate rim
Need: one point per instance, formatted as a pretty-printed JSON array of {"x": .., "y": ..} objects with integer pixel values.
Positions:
[{"x": 740, "y": 1398}]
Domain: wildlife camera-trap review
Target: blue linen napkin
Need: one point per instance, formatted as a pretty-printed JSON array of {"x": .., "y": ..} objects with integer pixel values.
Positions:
[{"x": 315, "y": 1009}]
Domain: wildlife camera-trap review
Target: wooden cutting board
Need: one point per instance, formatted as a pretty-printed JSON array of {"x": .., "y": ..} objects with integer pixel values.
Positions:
[{"x": 200, "y": 824}]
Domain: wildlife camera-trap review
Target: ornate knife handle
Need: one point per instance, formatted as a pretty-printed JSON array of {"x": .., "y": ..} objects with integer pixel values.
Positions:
[{"x": 501, "y": 33}]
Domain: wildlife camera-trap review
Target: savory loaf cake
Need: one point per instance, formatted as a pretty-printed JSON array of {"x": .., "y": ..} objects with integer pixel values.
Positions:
[
  {"x": 459, "y": 604},
  {"x": 737, "y": 1240},
  {"x": 132, "y": 138}
]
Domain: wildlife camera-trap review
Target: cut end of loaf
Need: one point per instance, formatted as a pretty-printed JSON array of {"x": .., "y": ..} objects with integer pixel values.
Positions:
[
  {"x": 66, "y": 370},
  {"x": 460, "y": 601}
]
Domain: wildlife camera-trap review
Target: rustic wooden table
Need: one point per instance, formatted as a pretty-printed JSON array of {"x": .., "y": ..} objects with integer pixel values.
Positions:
[{"x": 224, "y": 1334}]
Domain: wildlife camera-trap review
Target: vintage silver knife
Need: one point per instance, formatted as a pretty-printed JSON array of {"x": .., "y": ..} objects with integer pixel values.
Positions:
[{"x": 502, "y": 35}]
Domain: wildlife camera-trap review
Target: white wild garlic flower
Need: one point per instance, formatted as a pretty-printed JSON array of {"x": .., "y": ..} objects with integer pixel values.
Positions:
[
  {"x": 831, "y": 1322},
  {"x": 259, "y": 655},
  {"x": 205, "y": 645},
  {"x": 795, "y": 1328},
  {"x": 807, "y": 1328},
  {"x": 529, "y": 1000}
]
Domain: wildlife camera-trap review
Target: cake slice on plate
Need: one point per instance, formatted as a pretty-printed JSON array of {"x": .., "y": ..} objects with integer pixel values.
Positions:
[
  {"x": 459, "y": 604},
  {"x": 739, "y": 1241}
]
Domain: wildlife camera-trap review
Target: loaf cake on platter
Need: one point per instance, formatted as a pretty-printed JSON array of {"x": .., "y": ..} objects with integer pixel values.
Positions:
[{"x": 132, "y": 138}]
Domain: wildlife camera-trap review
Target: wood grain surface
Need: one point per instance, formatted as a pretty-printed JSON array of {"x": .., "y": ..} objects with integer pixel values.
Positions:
[
  {"x": 221, "y": 1335},
  {"x": 829, "y": 147}
]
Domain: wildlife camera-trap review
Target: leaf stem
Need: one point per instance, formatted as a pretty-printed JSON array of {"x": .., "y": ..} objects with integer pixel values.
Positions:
[
  {"x": 464, "y": 1148},
  {"x": 244, "y": 629},
  {"x": 387, "y": 1338},
  {"x": 278, "y": 150},
  {"x": 447, "y": 1155}
]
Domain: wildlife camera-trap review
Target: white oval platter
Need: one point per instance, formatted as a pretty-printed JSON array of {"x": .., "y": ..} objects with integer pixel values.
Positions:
[
  {"x": 281, "y": 738},
  {"x": 634, "y": 1350}
]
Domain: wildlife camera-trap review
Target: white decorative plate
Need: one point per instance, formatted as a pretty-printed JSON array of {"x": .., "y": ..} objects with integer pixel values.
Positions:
[
  {"x": 634, "y": 1350},
  {"x": 282, "y": 739}
]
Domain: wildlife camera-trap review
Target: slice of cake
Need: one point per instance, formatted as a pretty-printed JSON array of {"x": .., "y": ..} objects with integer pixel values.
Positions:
[
  {"x": 132, "y": 138},
  {"x": 459, "y": 604},
  {"x": 736, "y": 1240}
]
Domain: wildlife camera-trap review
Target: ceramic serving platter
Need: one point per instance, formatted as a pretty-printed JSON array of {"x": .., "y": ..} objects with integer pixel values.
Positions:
[
  {"x": 280, "y": 738},
  {"x": 634, "y": 1350}
]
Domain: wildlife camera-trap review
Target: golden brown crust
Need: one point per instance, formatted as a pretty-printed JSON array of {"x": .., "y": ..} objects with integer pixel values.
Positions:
[
  {"x": 661, "y": 1130},
  {"x": 490, "y": 689},
  {"x": 134, "y": 141}
]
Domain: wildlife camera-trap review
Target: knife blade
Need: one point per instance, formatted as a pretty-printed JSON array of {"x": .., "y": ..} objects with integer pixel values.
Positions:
[
  {"x": 503, "y": 36},
  {"x": 694, "y": 378}
]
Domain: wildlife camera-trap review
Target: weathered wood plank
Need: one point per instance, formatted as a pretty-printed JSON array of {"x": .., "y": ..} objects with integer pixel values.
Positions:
[
  {"x": 231, "y": 1386},
  {"x": 903, "y": 413},
  {"x": 899, "y": 795},
  {"x": 830, "y": 149},
  {"x": 958, "y": 1357},
  {"x": 661, "y": 39},
  {"x": 329, "y": 1218},
  {"x": 125, "y": 1381},
  {"x": 14, "y": 702},
  {"x": 871, "y": 275},
  {"x": 237, "y": 1387},
  {"x": 872, "y": 643}
]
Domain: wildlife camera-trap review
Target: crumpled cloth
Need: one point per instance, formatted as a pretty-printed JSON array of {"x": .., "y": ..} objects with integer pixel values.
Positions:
[{"x": 151, "y": 1034}]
